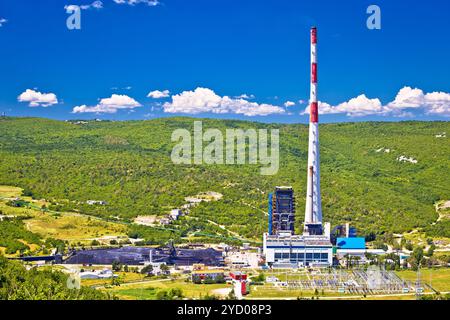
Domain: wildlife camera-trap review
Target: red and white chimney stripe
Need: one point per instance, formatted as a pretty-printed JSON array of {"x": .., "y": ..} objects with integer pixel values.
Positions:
[
  {"x": 313, "y": 208},
  {"x": 314, "y": 112}
]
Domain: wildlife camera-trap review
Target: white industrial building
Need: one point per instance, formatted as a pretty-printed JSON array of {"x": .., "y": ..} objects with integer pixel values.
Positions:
[
  {"x": 97, "y": 274},
  {"x": 294, "y": 251}
]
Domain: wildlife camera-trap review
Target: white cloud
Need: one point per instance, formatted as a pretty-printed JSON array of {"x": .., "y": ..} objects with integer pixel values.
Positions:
[
  {"x": 37, "y": 99},
  {"x": 151, "y": 3},
  {"x": 204, "y": 100},
  {"x": 3, "y": 21},
  {"x": 95, "y": 5},
  {"x": 109, "y": 105},
  {"x": 355, "y": 107},
  {"x": 438, "y": 103},
  {"x": 288, "y": 104},
  {"x": 407, "y": 98},
  {"x": 245, "y": 96},
  {"x": 158, "y": 94},
  {"x": 123, "y": 88}
]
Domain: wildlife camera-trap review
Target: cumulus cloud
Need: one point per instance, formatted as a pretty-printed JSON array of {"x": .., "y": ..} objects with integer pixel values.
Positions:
[
  {"x": 407, "y": 99},
  {"x": 204, "y": 100},
  {"x": 151, "y": 3},
  {"x": 355, "y": 107},
  {"x": 3, "y": 21},
  {"x": 288, "y": 104},
  {"x": 158, "y": 94},
  {"x": 109, "y": 105},
  {"x": 37, "y": 99},
  {"x": 434, "y": 103},
  {"x": 438, "y": 103}
]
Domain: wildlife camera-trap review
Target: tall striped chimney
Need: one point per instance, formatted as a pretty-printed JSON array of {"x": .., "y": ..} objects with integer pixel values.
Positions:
[{"x": 313, "y": 209}]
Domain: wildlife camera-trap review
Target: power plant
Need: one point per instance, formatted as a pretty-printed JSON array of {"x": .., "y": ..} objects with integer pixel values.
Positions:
[{"x": 281, "y": 246}]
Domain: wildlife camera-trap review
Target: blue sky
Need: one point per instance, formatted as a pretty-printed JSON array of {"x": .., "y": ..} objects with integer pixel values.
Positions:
[{"x": 227, "y": 48}]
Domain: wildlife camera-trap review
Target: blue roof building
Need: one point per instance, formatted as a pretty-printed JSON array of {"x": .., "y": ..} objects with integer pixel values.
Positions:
[
  {"x": 351, "y": 247},
  {"x": 351, "y": 243}
]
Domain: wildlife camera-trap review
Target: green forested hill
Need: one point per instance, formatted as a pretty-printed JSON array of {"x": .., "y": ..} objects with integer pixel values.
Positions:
[{"x": 128, "y": 165}]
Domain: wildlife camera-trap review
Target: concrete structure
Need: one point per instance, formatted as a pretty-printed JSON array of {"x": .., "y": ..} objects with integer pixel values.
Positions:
[
  {"x": 313, "y": 208},
  {"x": 283, "y": 210},
  {"x": 200, "y": 273},
  {"x": 92, "y": 202},
  {"x": 97, "y": 274},
  {"x": 282, "y": 248},
  {"x": 294, "y": 251},
  {"x": 240, "y": 284},
  {"x": 355, "y": 247},
  {"x": 175, "y": 213}
]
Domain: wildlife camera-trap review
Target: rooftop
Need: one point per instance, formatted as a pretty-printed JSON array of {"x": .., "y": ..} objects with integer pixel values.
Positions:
[{"x": 351, "y": 243}]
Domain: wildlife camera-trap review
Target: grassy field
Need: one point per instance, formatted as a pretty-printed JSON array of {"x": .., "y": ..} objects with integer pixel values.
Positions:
[
  {"x": 123, "y": 277},
  {"x": 72, "y": 227},
  {"x": 147, "y": 290},
  {"x": 439, "y": 278},
  {"x": 68, "y": 226},
  {"x": 9, "y": 192}
]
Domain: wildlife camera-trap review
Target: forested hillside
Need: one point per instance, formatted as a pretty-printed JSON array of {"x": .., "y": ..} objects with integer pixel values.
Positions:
[
  {"x": 128, "y": 165},
  {"x": 18, "y": 283}
]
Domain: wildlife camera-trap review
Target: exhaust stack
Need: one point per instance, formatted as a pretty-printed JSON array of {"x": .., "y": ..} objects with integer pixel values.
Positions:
[{"x": 313, "y": 209}]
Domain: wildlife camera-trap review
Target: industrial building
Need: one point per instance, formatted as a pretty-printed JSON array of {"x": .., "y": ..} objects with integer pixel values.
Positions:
[
  {"x": 354, "y": 247},
  {"x": 281, "y": 246},
  {"x": 98, "y": 274},
  {"x": 141, "y": 255},
  {"x": 282, "y": 202},
  {"x": 201, "y": 273}
]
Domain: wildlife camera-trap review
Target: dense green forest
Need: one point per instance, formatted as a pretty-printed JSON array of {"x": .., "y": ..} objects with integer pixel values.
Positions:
[
  {"x": 128, "y": 165},
  {"x": 11, "y": 231},
  {"x": 17, "y": 283}
]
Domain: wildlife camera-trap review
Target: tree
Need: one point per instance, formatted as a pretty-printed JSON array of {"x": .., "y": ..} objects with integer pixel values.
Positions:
[
  {"x": 18, "y": 283},
  {"x": 220, "y": 278},
  {"x": 116, "y": 266},
  {"x": 148, "y": 269},
  {"x": 208, "y": 280},
  {"x": 409, "y": 246},
  {"x": 416, "y": 257},
  {"x": 430, "y": 251},
  {"x": 171, "y": 294},
  {"x": 231, "y": 295},
  {"x": 196, "y": 279},
  {"x": 164, "y": 268}
]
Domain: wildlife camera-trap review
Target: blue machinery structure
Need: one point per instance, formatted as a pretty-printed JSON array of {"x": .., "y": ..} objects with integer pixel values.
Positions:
[{"x": 270, "y": 213}]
